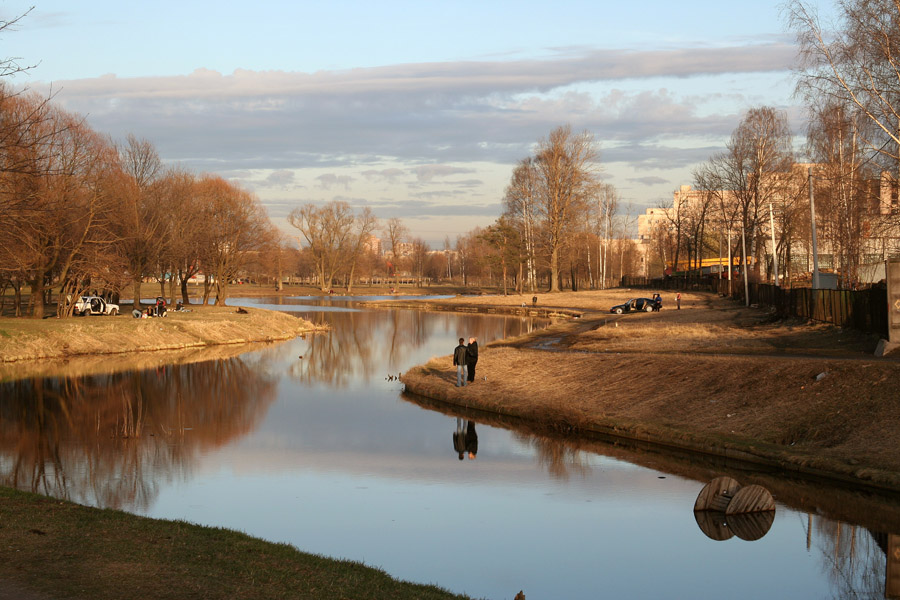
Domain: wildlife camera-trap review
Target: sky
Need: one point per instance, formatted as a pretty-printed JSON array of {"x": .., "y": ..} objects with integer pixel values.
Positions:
[{"x": 417, "y": 110}]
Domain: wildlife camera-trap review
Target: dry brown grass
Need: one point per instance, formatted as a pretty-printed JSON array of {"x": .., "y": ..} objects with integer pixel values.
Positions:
[
  {"x": 710, "y": 376},
  {"x": 29, "y": 339}
]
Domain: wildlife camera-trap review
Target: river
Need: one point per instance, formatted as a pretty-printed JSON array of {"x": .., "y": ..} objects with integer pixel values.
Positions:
[{"x": 313, "y": 443}]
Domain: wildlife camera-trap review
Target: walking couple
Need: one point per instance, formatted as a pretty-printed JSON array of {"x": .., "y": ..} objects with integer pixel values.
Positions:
[{"x": 464, "y": 359}]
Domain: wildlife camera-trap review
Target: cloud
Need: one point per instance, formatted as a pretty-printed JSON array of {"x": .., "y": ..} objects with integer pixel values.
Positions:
[
  {"x": 427, "y": 173},
  {"x": 649, "y": 180},
  {"x": 281, "y": 178},
  {"x": 466, "y": 77},
  {"x": 389, "y": 175},
  {"x": 328, "y": 180},
  {"x": 440, "y": 112}
]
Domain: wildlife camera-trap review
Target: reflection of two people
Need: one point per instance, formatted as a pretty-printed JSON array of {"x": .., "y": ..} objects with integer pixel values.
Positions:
[{"x": 465, "y": 439}]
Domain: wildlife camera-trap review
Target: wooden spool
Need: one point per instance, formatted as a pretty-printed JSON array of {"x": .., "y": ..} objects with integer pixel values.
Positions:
[
  {"x": 751, "y": 526},
  {"x": 753, "y": 498},
  {"x": 717, "y": 494}
]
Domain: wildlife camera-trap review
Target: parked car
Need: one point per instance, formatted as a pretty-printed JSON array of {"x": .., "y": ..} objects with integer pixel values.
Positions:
[
  {"x": 636, "y": 304},
  {"x": 95, "y": 305}
]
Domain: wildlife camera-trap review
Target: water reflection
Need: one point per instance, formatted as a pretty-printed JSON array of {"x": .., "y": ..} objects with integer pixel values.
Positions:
[
  {"x": 859, "y": 560},
  {"x": 465, "y": 439},
  {"x": 112, "y": 440}
]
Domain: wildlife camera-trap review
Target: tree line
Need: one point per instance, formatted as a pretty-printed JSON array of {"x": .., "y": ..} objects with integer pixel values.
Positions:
[
  {"x": 80, "y": 212},
  {"x": 560, "y": 225}
]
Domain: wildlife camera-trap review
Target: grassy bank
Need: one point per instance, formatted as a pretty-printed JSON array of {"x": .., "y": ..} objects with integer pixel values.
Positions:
[
  {"x": 31, "y": 339},
  {"x": 54, "y": 549},
  {"x": 712, "y": 377}
]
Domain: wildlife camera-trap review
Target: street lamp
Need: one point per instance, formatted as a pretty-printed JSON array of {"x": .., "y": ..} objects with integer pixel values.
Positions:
[{"x": 812, "y": 216}]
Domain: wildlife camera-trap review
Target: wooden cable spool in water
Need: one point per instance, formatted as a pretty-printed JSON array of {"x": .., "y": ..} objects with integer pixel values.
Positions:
[{"x": 717, "y": 494}]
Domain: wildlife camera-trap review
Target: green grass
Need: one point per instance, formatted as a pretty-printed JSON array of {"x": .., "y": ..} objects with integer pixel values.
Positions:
[{"x": 63, "y": 549}]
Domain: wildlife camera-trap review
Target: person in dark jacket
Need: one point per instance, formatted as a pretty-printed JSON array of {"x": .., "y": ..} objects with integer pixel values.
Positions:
[
  {"x": 459, "y": 360},
  {"x": 472, "y": 357}
]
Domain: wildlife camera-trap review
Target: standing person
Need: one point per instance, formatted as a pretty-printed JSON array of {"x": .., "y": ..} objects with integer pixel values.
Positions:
[
  {"x": 472, "y": 357},
  {"x": 678, "y": 301},
  {"x": 459, "y": 359}
]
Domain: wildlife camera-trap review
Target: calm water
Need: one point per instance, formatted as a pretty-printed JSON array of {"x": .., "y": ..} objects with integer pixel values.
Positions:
[{"x": 312, "y": 443}]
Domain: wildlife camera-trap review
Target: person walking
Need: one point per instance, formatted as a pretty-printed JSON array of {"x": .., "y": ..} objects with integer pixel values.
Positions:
[
  {"x": 678, "y": 301},
  {"x": 472, "y": 357},
  {"x": 459, "y": 360}
]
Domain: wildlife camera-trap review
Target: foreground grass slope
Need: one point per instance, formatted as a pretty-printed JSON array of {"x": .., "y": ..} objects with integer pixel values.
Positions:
[{"x": 55, "y": 549}]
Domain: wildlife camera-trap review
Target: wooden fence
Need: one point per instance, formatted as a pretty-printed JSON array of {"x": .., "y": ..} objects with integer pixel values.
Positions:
[{"x": 865, "y": 310}]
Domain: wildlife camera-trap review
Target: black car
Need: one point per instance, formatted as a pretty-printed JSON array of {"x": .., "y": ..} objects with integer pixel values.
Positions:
[{"x": 636, "y": 304}]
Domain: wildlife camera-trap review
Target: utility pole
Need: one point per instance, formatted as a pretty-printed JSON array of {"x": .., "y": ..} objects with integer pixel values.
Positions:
[
  {"x": 812, "y": 213},
  {"x": 774, "y": 254},
  {"x": 744, "y": 265}
]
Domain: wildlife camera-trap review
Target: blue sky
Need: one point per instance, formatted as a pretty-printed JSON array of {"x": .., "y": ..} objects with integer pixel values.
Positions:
[{"x": 417, "y": 110}]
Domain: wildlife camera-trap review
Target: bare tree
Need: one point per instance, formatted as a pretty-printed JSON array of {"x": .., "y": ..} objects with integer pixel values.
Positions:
[
  {"x": 335, "y": 237},
  {"x": 143, "y": 219},
  {"x": 396, "y": 232},
  {"x": 364, "y": 224},
  {"x": 238, "y": 227},
  {"x": 856, "y": 63},
  {"x": 753, "y": 171},
  {"x": 520, "y": 200},
  {"x": 566, "y": 165},
  {"x": 10, "y": 66}
]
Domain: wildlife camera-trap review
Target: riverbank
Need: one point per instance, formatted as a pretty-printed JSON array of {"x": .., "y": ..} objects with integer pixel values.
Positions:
[
  {"x": 713, "y": 378},
  {"x": 53, "y": 549},
  {"x": 23, "y": 340}
]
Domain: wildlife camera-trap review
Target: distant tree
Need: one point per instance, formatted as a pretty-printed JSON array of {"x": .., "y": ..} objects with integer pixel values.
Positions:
[
  {"x": 335, "y": 237},
  {"x": 502, "y": 238},
  {"x": 142, "y": 223},
  {"x": 355, "y": 250},
  {"x": 753, "y": 171},
  {"x": 520, "y": 209},
  {"x": 565, "y": 166},
  {"x": 396, "y": 233},
  {"x": 844, "y": 198},
  {"x": 238, "y": 228}
]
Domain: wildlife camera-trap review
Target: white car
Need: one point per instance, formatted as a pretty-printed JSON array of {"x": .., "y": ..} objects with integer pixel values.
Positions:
[{"x": 95, "y": 305}]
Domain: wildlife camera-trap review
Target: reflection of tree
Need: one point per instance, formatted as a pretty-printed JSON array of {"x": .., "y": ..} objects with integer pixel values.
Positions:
[
  {"x": 559, "y": 458},
  {"x": 371, "y": 344},
  {"x": 107, "y": 440},
  {"x": 853, "y": 558}
]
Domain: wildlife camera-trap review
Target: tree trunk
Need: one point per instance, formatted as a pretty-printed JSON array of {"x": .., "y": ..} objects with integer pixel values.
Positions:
[
  {"x": 37, "y": 295},
  {"x": 554, "y": 270},
  {"x": 136, "y": 288},
  {"x": 184, "y": 291}
]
